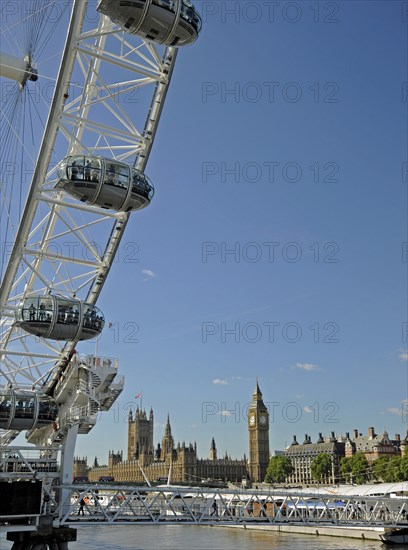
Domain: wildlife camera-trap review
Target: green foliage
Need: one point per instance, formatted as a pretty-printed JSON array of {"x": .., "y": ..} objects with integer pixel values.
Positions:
[
  {"x": 404, "y": 468},
  {"x": 394, "y": 473},
  {"x": 345, "y": 469},
  {"x": 355, "y": 469},
  {"x": 391, "y": 469},
  {"x": 321, "y": 467},
  {"x": 379, "y": 468},
  {"x": 279, "y": 468}
]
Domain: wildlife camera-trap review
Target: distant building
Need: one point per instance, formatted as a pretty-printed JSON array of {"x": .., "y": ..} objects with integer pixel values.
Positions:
[
  {"x": 258, "y": 426},
  {"x": 80, "y": 469},
  {"x": 302, "y": 456},
  {"x": 374, "y": 446},
  {"x": 277, "y": 453},
  {"x": 179, "y": 462}
]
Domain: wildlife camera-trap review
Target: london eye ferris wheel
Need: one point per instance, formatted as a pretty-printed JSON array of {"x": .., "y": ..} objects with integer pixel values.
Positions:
[{"x": 74, "y": 155}]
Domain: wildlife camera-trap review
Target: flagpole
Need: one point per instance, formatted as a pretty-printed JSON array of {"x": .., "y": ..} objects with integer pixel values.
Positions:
[{"x": 141, "y": 400}]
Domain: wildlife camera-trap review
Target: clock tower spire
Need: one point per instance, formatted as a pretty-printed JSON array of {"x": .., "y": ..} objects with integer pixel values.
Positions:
[{"x": 258, "y": 426}]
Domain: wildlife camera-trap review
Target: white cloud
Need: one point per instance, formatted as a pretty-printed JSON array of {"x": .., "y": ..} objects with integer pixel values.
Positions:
[
  {"x": 394, "y": 410},
  {"x": 307, "y": 410},
  {"x": 306, "y": 366},
  {"x": 149, "y": 274},
  {"x": 219, "y": 381},
  {"x": 403, "y": 355},
  {"x": 225, "y": 413}
]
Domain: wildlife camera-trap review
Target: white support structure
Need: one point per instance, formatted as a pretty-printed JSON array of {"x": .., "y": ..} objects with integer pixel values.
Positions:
[
  {"x": 103, "y": 64},
  {"x": 30, "y": 463},
  {"x": 48, "y": 290}
]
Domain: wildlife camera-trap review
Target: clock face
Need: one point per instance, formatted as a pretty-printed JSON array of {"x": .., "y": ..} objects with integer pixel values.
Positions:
[
  {"x": 252, "y": 419},
  {"x": 263, "y": 419}
]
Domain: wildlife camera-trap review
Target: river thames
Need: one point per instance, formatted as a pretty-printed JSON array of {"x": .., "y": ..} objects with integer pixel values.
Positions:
[{"x": 161, "y": 537}]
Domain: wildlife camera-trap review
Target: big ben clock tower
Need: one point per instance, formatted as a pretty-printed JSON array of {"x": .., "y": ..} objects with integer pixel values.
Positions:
[{"x": 258, "y": 426}]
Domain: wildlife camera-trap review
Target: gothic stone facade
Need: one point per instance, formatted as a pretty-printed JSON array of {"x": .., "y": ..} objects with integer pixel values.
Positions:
[{"x": 156, "y": 464}]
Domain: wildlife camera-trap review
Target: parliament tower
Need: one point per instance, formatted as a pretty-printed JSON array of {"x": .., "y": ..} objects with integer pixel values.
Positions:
[
  {"x": 140, "y": 433},
  {"x": 258, "y": 426}
]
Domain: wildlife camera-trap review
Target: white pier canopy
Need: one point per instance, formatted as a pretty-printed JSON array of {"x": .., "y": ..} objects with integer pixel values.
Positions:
[
  {"x": 169, "y": 22},
  {"x": 59, "y": 318},
  {"x": 105, "y": 182}
]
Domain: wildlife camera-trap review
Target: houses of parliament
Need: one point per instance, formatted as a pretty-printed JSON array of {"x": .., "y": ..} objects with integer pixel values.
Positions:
[{"x": 144, "y": 461}]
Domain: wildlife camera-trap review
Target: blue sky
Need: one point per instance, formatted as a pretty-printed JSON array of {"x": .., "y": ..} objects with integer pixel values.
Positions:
[
  {"x": 273, "y": 246},
  {"x": 317, "y": 243}
]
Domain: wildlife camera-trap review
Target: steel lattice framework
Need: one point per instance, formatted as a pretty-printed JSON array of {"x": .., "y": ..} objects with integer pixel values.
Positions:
[
  {"x": 192, "y": 505},
  {"x": 63, "y": 246}
]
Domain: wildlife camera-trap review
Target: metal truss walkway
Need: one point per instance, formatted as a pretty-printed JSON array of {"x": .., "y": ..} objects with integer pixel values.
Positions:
[{"x": 90, "y": 504}]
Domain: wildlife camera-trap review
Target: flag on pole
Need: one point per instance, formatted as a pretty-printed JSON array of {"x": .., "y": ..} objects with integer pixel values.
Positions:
[{"x": 138, "y": 395}]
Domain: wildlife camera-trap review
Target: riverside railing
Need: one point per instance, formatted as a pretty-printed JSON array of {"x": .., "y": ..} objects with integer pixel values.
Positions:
[{"x": 115, "y": 504}]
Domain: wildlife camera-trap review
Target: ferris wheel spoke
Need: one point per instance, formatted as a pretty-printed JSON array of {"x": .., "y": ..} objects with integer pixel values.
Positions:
[
  {"x": 77, "y": 232},
  {"x": 155, "y": 55},
  {"x": 114, "y": 107},
  {"x": 32, "y": 372},
  {"x": 121, "y": 62},
  {"x": 41, "y": 45},
  {"x": 81, "y": 281},
  {"x": 127, "y": 49},
  {"x": 13, "y": 125},
  {"x": 33, "y": 269},
  {"x": 31, "y": 369},
  {"x": 53, "y": 347}
]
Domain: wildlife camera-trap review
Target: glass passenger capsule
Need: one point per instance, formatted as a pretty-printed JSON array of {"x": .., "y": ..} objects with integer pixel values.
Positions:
[
  {"x": 60, "y": 318},
  {"x": 26, "y": 409},
  {"x": 168, "y": 22},
  {"x": 105, "y": 183}
]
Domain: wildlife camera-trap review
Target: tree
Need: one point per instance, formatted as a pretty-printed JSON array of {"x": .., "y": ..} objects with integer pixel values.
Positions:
[
  {"x": 355, "y": 469},
  {"x": 404, "y": 468},
  {"x": 394, "y": 471},
  {"x": 391, "y": 469},
  {"x": 380, "y": 468},
  {"x": 345, "y": 468},
  {"x": 321, "y": 467},
  {"x": 279, "y": 468}
]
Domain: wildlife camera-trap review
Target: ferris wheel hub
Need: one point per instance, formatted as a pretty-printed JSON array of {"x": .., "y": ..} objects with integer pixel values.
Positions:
[{"x": 17, "y": 69}]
